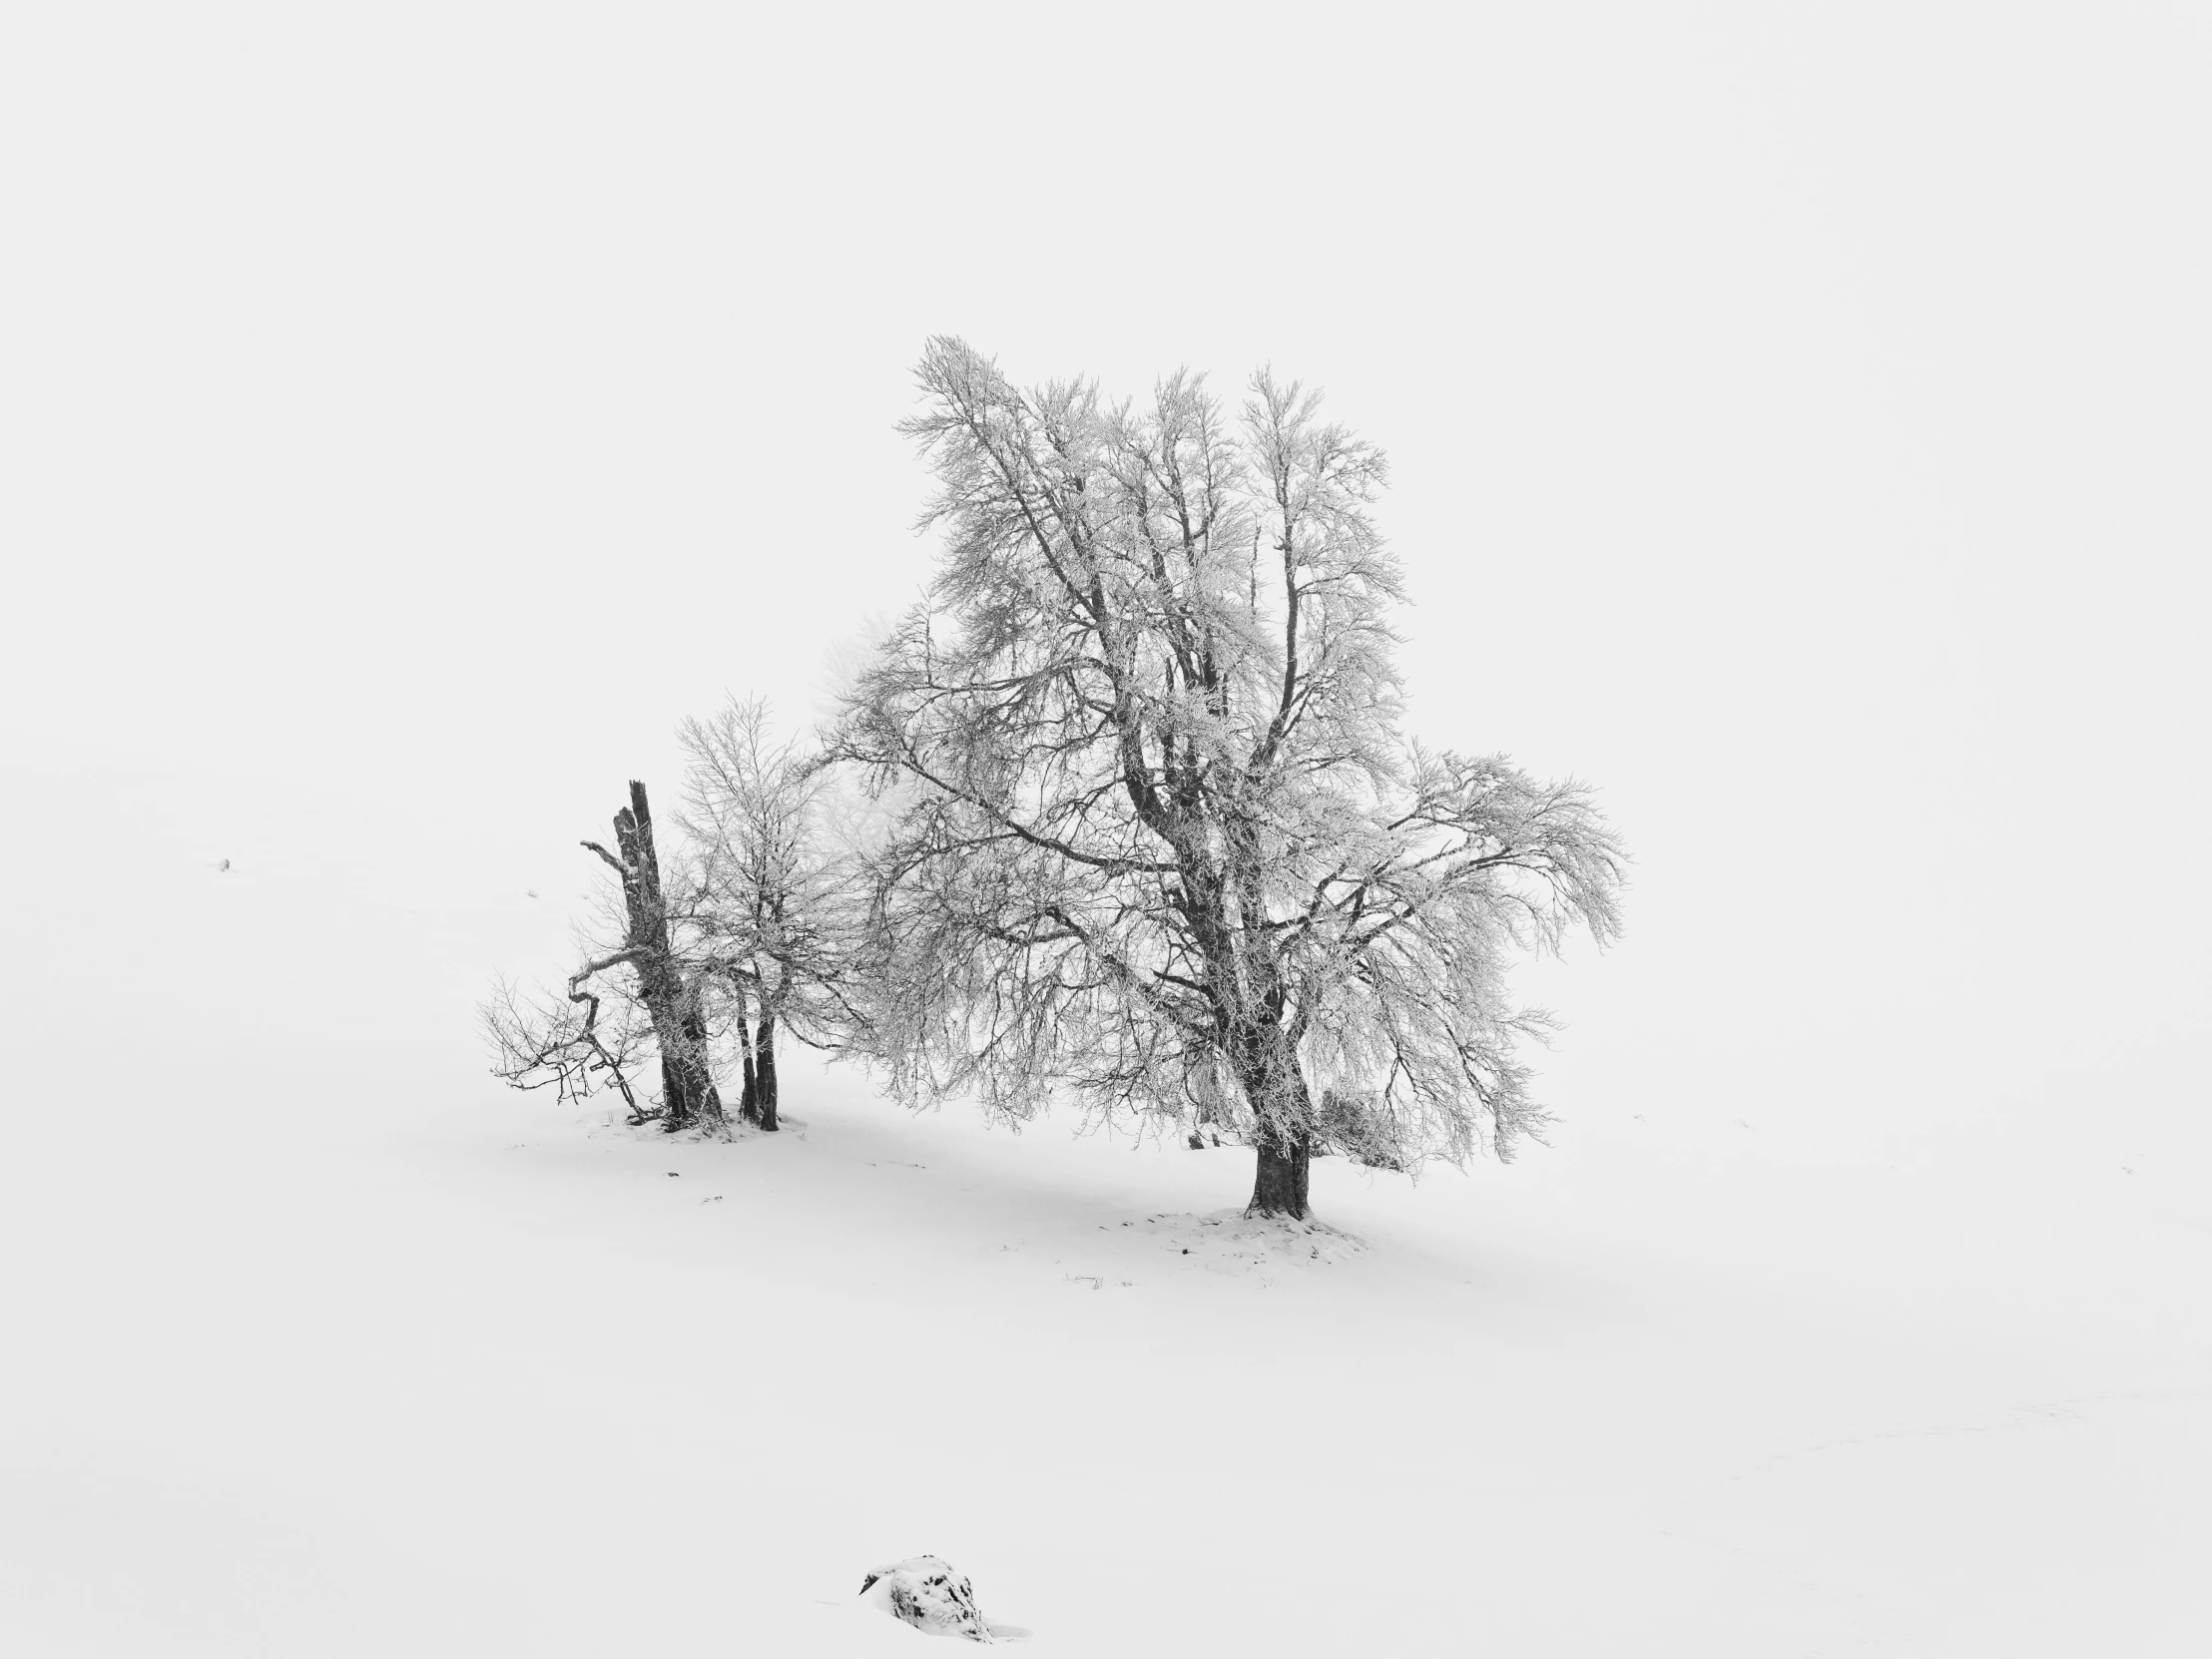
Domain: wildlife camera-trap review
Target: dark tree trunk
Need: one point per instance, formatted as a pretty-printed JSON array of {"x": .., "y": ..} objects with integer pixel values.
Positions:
[
  {"x": 748, "y": 1103},
  {"x": 1282, "y": 1117},
  {"x": 686, "y": 1076},
  {"x": 688, "y": 1091},
  {"x": 763, "y": 1048},
  {"x": 1205, "y": 1117},
  {"x": 1278, "y": 1186}
]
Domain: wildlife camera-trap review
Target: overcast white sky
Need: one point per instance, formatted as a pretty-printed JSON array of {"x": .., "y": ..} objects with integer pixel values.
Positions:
[{"x": 1799, "y": 415}]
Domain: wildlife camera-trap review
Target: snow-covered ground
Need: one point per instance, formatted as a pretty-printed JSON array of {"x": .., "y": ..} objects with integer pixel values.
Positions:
[{"x": 320, "y": 1343}]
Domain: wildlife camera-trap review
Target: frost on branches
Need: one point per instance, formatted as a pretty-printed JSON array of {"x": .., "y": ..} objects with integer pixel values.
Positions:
[
  {"x": 1158, "y": 842},
  {"x": 742, "y": 930}
]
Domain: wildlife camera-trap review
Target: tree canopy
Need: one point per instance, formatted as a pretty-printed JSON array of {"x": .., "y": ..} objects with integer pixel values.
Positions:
[{"x": 1160, "y": 843}]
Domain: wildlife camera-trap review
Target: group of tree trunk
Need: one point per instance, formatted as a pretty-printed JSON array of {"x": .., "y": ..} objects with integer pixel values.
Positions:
[
  {"x": 1124, "y": 818},
  {"x": 710, "y": 950}
]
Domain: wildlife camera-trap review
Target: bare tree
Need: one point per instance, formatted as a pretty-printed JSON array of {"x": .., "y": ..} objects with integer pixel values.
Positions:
[
  {"x": 776, "y": 905},
  {"x": 559, "y": 1041},
  {"x": 1161, "y": 845},
  {"x": 668, "y": 1000}
]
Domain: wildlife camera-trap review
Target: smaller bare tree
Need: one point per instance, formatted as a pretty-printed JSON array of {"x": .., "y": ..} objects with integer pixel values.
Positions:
[
  {"x": 667, "y": 1005},
  {"x": 775, "y": 906},
  {"x": 558, "y": 1041}
]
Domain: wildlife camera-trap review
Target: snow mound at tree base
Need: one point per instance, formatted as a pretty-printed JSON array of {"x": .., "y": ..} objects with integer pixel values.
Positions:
[
  {"x": 1230, "y": 1240},
  {"x": 614, "y": 1123}
]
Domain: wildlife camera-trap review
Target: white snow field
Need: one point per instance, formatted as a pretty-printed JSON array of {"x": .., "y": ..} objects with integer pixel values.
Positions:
[{"x": 320, "y": 1343}]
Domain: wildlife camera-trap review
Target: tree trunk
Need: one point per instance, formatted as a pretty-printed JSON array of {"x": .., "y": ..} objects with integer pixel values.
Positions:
[
  {"x": 1279, "y": 1186},
  {"x": 748, "y": 1103},
  {"x": 763, "y": 1047},
  {"x": 1206, "y": 1116},
  {"x": 688, "y": 1094},
  {"x": 1283, "y": 1119}
]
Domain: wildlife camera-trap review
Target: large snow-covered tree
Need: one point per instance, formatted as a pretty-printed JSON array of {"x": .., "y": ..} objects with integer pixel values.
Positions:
[{"x": 1161, "y": 844}]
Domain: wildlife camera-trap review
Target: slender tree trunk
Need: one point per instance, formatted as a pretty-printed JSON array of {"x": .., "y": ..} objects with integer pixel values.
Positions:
[
  {"x": 688, "y": 1091},
  {"x": 748, "y": 1104},
  {"x": 763, "y": 1047},
  {"x": 1207, "y": 1116}
]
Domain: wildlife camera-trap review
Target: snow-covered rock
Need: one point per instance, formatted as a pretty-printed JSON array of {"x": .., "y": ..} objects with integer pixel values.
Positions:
[{"x": 933, "y": 1596}]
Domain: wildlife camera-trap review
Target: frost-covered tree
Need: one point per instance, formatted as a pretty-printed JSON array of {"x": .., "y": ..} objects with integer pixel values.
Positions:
[
  {"x": 1160, "y": 843},
  {"x": 652, "y": 929},
  {"x": 776, "y": 911},
  {"x": 563, "y": 1043}
]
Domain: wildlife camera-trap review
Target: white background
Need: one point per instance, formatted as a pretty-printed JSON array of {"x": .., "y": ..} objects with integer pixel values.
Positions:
[{"x": 1798, "y": 414}]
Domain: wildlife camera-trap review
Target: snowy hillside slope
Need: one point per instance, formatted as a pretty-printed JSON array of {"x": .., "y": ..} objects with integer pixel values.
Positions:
[{"x": 319, "y": 1343}]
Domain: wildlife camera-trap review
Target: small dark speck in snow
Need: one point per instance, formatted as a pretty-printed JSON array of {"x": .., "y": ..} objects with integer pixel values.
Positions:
[
  {"x": 1186, "y": 1249},
  {"x": 674, "y": 1172}
]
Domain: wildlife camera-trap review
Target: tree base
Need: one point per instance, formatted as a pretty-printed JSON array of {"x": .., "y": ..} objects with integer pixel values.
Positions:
[{"x": 1279, "y": 1184}]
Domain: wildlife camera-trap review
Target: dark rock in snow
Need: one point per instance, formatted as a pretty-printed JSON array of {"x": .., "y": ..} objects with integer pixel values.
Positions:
[{"x": 933, "y": 1597}]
